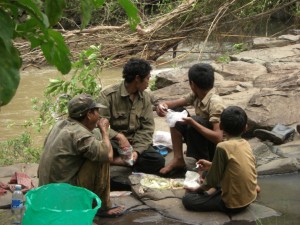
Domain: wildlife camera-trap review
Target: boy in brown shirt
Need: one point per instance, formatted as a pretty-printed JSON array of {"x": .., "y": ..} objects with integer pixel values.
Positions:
[{"x": 233, "y": 168}]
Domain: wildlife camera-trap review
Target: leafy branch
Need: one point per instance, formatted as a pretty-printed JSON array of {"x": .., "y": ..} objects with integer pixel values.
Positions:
[{"x": 32, "y": 20}]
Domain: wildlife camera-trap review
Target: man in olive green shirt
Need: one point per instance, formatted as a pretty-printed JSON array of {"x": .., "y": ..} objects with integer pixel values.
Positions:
[
  {"x": 75, "y": 154},
  {"x": 232, "y": 169},
  {"x": 130, "y": 114}
]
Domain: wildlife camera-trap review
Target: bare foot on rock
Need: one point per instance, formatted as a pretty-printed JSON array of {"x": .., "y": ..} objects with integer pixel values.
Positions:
[{"x": 174, "y": 164}]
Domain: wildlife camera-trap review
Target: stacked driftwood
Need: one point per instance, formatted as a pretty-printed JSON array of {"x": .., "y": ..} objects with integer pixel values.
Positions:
[{"x": 150, "y": 39}]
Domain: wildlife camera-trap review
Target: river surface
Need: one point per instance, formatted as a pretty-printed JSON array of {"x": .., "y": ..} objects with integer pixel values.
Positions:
[{"x": 281, "y": 193}]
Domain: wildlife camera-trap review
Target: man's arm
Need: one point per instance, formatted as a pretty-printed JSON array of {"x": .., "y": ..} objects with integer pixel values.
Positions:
[
  {"x": 103, "y": 125},
  {"x": 217, "y": 169},
  {"x": 161, "y": 108},
  {"x": 215, "y": 135}
]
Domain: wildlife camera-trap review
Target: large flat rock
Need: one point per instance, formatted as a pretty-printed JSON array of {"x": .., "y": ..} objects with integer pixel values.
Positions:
[{"x": 168, "y": 202}]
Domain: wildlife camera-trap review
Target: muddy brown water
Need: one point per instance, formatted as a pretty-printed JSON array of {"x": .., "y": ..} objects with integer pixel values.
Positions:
[{"x": 281, "y": 193}]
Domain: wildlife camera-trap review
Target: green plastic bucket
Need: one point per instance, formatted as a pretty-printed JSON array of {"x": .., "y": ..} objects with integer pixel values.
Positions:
[{"x": 60, "y": 204}]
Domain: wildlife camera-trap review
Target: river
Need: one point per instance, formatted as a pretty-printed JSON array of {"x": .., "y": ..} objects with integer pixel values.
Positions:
[{"x": 278, "y": 192}]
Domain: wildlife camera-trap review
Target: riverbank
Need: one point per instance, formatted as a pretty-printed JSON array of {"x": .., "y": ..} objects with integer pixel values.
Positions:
[{"x": 280, "y": 195}]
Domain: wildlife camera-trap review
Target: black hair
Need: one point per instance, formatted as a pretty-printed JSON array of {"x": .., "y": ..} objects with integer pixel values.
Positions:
[
  {"x": 233, "y": 120},
  {"x": 136, "y": 67},
  {"x": 202, "y": 75}
]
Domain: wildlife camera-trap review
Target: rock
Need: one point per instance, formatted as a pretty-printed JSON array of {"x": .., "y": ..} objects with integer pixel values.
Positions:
[
  {"x": 177, "y": 90},
  {"x": 255, "y": 211},
  {"x": 279, "y": 166},
  {"x": 270, "y": 107},
  {"x": 170, "y": 77},
  {"x": 241, "y": 98},
  {"x": 289, "y": 37},
  {"x": 266, "y": 42},
  {"x": 280, "y": 81},
  {"x": 262, "y": 152},
  {"x": 173, "y": 208},
  {"x": 263, "y": 56},
  {"x": 240, "y": 71},
  {"x": 289, "y": 149}
]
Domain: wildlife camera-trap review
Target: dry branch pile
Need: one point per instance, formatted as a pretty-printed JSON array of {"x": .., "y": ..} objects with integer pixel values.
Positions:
[{"x": 151, "y": 41}]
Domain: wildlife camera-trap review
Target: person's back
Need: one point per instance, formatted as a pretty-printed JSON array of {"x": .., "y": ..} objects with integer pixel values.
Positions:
[
  {"x": 240, "y": 175},
  {"x": 63, "y": 155},
  {"x": 232, "y": 168}
]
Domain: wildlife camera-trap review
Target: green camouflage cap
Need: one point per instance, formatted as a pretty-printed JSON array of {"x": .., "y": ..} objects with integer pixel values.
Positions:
[{"x": 79, "y": 104}]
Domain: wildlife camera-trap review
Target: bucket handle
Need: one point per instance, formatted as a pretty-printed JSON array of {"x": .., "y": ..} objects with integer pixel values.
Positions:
[{"x": 98, "y": 200}]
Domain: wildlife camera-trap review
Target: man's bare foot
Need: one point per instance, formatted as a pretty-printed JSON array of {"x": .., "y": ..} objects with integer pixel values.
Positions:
[
  {"x": 112, "y": 212},
  {"x": 174, "y": 164},
  {"x": 210, "y": 191},
  {"x": 116, "y": 211}
]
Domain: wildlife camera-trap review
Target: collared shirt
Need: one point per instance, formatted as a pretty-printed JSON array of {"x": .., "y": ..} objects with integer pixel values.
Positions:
[
  {"x": 132, "y": 118},
  {"x": 233, "y": 167},
  {"x": 210, "y": 107},
  {"x": 66, "y": 148}
]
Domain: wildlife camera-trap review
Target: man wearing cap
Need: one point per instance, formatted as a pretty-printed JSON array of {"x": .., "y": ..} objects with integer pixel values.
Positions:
[
  {"x": 74, "y": 152},
  {"x": 130, "y": 114}
]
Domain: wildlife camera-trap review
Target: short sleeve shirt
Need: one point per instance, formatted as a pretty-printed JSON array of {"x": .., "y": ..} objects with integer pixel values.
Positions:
[
  {"x": 210, "y": 107},
  {"x": 233, "y": 167}
]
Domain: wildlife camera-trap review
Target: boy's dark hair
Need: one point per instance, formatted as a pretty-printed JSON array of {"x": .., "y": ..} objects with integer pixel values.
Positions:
[
  {"x": 136, "y": 67},
  {"x": 233, "y": 120},
  {"x": 202, "y": 75}
]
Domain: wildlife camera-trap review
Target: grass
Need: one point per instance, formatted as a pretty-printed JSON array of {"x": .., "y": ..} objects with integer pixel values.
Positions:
[{"x": 18, "y": 150}]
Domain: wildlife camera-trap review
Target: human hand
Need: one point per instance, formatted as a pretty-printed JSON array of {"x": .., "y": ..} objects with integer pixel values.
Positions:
[
  {"x": 204, "y": 165},
  {"x": 103, "y": 125},
  {"x": 162, "y": 109},
  {"x": 188, "y": 120},
  {"x": 122, "y": 141},
  {"x": 135, "y": 156}
]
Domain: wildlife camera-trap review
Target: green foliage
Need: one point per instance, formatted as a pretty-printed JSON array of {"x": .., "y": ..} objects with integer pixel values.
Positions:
[
  {"x": 152, "y": 84},
  {"x": 131, "y": 11},
  {"x": 18, "y": 149},
  {"x": 32, "y": 20},
  {"x": 239, "y": 47},
  {"x": 223, "y": 59},
  {"x": 59, "y": 91}
]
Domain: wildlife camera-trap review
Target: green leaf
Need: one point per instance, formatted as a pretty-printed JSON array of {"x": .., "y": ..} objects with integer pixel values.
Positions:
[
  {"x": 98, "y": 3},
  {"x": 54, "y": 10},
  {"x": 131, "y": 11},
  {"x": 56, "y": 51},
  {"x": 32, "y": 8},
  {"x": 10, "y": 63},
  {"x": 7, "y": 28},
  {"x": 87, "y": 6}
]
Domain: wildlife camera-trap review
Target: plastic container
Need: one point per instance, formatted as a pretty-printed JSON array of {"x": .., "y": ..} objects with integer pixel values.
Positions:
[
  {"x": 163, "y": 150},
  {"x": 60, "y": 204},
  {"x": 17, "y": 205}
]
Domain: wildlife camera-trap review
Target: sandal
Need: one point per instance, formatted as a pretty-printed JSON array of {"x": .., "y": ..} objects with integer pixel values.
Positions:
[{"x": 105, "y": 213}]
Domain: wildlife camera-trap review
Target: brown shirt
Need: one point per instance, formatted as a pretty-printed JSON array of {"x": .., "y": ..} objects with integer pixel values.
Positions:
[
  {"x": 66, "y": 148},
  {"x": 133, "y": 118},
  {"x": 233, "y": 167},
  {"x": 210, "y": 107}
]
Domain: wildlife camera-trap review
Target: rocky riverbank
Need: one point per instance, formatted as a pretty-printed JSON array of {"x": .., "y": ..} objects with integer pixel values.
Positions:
[{"x": 265, "y": 81}]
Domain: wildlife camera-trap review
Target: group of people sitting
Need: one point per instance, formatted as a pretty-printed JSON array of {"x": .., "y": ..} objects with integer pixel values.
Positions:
[{"x": 80, "y": 149}]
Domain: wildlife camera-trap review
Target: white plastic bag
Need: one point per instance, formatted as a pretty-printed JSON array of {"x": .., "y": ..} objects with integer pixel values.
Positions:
[
  {"x": 126, "y": 155},
  {"x": 162, "y": 138},
  {"x": 192, "y": 180},
  {"x": 172, "y": 117}
]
